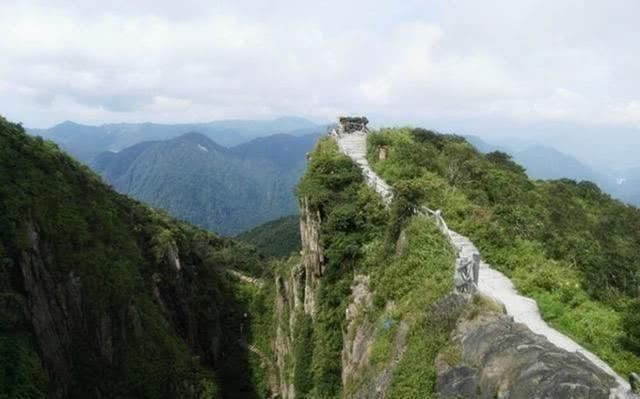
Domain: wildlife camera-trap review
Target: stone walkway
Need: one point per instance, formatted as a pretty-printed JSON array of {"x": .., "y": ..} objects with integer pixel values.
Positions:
[{"x": 491, "y": 282}]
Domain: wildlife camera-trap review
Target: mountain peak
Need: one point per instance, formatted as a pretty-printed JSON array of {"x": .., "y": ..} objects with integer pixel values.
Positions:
[
  {"x": 66, "y": 124},
  {"x": 202, "y": 141}
]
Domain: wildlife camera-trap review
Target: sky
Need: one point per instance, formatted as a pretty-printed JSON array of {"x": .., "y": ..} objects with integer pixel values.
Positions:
[{"x": 495, "y": 65}]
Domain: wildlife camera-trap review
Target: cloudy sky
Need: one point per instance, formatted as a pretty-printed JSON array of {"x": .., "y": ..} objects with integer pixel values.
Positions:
[{"x": 515, "y": 62}]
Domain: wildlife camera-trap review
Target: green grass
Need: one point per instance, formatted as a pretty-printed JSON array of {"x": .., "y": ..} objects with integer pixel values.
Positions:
[
  {"x": 405, "y": 288},
  {"x": 413, "y": 282},
  {"x": 565, "y": 244}
]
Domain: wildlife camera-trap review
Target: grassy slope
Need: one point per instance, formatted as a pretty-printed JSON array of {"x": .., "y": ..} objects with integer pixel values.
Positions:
[
  {"x": 356, "y": 236},
  {"x": 566, "y": 244},
  {"x": 405, "y": 288}
]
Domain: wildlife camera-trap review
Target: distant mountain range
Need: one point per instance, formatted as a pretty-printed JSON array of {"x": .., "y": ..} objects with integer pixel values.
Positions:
[
  {"x": 226, "y": 190},
  {"x": 629, "y": 186},
  {"x": 85, "y": 142},
  {"x": 547, "y": 163}
]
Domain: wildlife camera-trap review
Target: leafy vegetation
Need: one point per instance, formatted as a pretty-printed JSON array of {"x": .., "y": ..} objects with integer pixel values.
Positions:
[
  {"x": 406, "y": 288},
  {"x": 351, "y": 216},
  {"x": 277, "y": 238},
  {"x": 225, "y": 190},
  {"x": 148, "y": 305},
  {"x": 564, "y": 243},
  {"x": 359, "y": 236}
]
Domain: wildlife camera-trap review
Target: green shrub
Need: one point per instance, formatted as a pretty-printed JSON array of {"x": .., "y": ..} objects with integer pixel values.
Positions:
[{"x": 565, "y": 244}]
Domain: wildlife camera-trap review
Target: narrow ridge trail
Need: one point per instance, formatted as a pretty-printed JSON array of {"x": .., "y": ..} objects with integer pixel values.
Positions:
[{"x": 491, "y": 282}]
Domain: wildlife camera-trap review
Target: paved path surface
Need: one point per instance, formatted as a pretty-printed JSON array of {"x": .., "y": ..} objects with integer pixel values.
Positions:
[
  {"x": 491, "y": 282},
  {"x": 355, "y": 146}
]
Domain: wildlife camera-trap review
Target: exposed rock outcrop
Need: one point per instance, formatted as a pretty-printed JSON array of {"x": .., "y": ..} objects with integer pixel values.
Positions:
[
  {"x": 312, "y": 258},
  {"x": 359, "y": 332},
  {"x": 296, "y": 292},
  {"x": 63, "y": 321},
  {"x": 52, "y": 316},
  {"x": 289, "y": 301},
  {"x": 500, "y": 358}
]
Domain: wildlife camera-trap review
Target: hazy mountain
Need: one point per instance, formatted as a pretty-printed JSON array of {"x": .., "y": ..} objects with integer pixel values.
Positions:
[
  {"x": 481, "y": 145},
  {"x": 85, "y": 142},
  {"x": 628, "y": 186},
  {"x": 547, "y": 163},
  {"x": 227, "y": 190}
]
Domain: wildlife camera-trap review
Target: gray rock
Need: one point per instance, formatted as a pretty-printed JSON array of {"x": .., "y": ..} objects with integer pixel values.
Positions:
[
  {"x": 504, "y": 359},
  {"x": 351, "y": 124}
]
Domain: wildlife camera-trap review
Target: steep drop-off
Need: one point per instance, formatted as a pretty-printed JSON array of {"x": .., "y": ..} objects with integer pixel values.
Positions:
[
  {"x": 369, "y": 308},
  {"x": 101, "y": 296}
]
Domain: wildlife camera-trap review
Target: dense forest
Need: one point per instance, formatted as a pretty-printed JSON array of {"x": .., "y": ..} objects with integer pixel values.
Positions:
[
  {"x": 564, "y": 243},
  {"x": 278, "y": 238},
  {"x": 224, "y": 190},
  {"x": 100, "y": 296}
]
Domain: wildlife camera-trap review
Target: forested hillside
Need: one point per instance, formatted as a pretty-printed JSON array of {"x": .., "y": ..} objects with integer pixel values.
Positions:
[
  {"x": 564, "y": 243},
  {"x": 226, "y": 190},
  {"x": 101, "y": 296},
  {"x": 277, "y": 238}
]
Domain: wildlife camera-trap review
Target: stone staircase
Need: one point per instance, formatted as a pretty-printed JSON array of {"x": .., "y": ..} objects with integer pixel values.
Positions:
[{"x": 490, "y": 282}]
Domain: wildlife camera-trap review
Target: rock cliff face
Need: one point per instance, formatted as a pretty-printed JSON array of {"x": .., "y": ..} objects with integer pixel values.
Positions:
[
  {"x": 289, "y": 301},
  {"x": 64, "y": 320},
  {"x": 52, "y": 315},
  {"x": 312, "y": 258},
  {"x": 499, "y": 358},
  {"x": 296, "y": 292},
  {"x": 101, "y": 296},
  {"x": 359, "y": 331}
]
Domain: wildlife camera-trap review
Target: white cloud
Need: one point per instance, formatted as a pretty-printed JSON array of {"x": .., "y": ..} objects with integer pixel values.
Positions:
[{"x": 169, "y": 61}]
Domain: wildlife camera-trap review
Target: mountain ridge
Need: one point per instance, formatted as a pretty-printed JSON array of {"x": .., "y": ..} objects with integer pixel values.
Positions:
[
  {"x": 87, "y": 141},
  {"x": 227, "y": 190},
  {"x": 101, "y": 296}
]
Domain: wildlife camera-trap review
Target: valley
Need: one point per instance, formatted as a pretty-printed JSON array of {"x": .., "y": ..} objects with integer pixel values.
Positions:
[{"x": 359, "y": 296}]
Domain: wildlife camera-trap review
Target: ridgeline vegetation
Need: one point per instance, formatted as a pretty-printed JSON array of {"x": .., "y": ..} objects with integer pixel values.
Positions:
[
  {"x": 564, "y": 243},
  {"x": 355, "y": 234}
]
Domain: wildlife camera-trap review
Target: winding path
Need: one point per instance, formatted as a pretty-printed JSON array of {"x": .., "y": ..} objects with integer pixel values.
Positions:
[{"x": 491, "y": 282}]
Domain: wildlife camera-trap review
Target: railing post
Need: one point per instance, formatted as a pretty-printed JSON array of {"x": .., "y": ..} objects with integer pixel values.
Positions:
[{"x": 476, "y": 268}]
